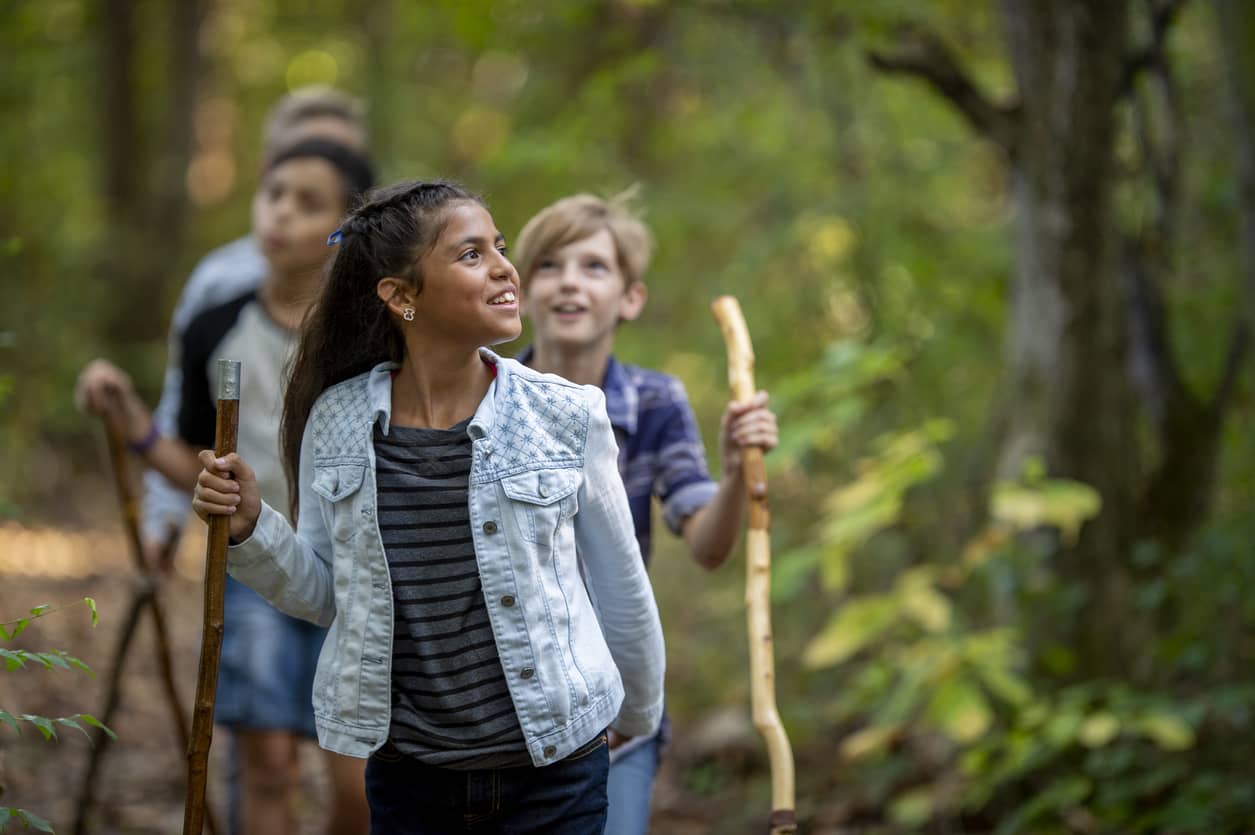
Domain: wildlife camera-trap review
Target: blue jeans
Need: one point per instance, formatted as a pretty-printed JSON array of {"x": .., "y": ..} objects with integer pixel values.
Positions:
[
  {"x": 266, "y": 675},
  {"x": 408, "y": 797},
  {"x": 630, "y": 788}
]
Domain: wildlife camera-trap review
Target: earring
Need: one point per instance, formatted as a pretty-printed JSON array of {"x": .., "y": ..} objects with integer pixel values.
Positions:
[{"x": 408, "y": 314}]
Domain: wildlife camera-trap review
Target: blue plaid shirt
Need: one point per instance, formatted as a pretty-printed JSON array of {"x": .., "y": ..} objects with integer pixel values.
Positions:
[{"x": 660, "y": 449}]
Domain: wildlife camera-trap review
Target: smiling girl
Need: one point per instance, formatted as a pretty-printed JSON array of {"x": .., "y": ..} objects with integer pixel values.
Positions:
[{"x": 441, "y": 493}]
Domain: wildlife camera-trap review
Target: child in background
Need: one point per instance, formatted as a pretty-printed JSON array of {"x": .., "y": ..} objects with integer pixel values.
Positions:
[
  {"x": 582, "y": 260},
  {"x": 442, "y": 494},
  {"x": 268, "y": 658}
]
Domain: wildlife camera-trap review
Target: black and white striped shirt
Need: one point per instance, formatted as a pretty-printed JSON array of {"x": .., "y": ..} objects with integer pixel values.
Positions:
[{"x": 450, "y": 705}]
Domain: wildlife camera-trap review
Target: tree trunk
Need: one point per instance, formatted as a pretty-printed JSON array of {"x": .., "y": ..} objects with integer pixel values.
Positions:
[{"x": 1070, "y": 404}]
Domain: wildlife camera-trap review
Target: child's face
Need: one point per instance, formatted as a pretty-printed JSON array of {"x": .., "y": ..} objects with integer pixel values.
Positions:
[
  {"x": 470, "y": 289},
  {"x": 298, "y": 204},
  {"x": 577, "y": 295}
]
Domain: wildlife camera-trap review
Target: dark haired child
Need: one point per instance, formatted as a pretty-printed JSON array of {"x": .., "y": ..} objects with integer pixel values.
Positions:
[
  {"x": 462, "y": 528},
  {"x": 268, "y": 658}
]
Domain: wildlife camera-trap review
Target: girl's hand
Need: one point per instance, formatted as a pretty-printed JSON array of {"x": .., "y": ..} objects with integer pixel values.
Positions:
[
  {"x": 749, "y": 424},
  {"x": 228, "y": 487}
]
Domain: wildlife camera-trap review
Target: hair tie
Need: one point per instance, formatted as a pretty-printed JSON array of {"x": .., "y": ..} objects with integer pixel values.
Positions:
[{"x": 335, "y": 237}]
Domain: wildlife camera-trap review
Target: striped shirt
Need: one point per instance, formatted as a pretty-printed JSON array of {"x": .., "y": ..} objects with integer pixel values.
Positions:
[{"x": 450, "y": 704}]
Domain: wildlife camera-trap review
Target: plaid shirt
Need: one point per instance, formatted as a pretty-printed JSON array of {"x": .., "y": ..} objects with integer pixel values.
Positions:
[{"x": 660, "y": 449}]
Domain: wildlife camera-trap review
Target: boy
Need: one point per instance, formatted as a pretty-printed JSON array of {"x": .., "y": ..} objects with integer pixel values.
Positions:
[
  {"x": 581, "y": 262},
  {"x": 266, "y": 681}
]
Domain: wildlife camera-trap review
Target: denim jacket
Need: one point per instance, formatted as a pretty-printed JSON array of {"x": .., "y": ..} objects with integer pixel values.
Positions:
[{"x": 579, "y": 638}]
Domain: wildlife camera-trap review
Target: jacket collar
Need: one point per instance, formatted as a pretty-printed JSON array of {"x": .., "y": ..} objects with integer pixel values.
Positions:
[{"x": 379, "y": 394}]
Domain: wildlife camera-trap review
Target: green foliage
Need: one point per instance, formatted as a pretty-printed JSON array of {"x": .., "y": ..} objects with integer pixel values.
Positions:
[
  {"x": 15, "y": 659},
  {"x": 937, "y": 660}
]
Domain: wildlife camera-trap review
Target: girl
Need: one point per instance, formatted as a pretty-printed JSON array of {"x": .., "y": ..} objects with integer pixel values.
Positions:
[
  {"x": 441, "y": 493},
  {"x": 268, "y": 658}
]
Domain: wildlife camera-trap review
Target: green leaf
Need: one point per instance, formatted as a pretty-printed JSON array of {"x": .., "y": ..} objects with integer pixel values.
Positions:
[
  {"x": 44, "y": 724},
  {"x": 33, "y": 821},
  {"x": 912, "y": 808},
  {"x": 53, "y": 659},
  {"x": 96, "y": 723},
  {"x": 13, "y": 659},
  {"x": 1098, "y": 729},
  {"x": 1059, "y": 503},
  {"x": 91, "y": 604},
  {"x": 857, "y": 624},
  {"x": 10, "y": 720},
  {"x": 960, "y": 710},
  {"x": 19, "y": 626},
  {"x": 74, "y": 662},
  {"x": 1169, "y": 732},
  {"x": 70, "y": 723},
  {"x": 40, "y": 609}
]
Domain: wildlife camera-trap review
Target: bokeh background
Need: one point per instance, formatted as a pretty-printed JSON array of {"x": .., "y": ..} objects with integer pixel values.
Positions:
[{"x": 998, "y": 262}]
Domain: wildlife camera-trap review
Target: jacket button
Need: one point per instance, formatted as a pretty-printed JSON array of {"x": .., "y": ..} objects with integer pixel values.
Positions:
[
  {"x": 507, "y": 600},
  {"x": 549, "y": 751},
  {"x": 527, "y": 672},
  {"x": 543, "y": 491},
  {"x": 490, "y": 527}
]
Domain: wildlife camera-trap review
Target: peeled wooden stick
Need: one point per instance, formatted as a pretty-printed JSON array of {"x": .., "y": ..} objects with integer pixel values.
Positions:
[
  {"x": 758, "y": 578},
  {"x": 215, "y": 589}
]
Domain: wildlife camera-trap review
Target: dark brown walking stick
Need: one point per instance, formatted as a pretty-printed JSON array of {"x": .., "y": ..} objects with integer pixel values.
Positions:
[
  {"x": 215, "y": 588},
  {"x": 758, "y": 578},
  {"x": 145, "y": 598}
]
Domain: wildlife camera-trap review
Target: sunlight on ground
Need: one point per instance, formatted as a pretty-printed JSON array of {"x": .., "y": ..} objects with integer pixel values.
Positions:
[{"x": 55, "y": 553}]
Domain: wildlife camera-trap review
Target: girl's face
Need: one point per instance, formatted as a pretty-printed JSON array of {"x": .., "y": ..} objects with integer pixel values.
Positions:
[
  {"x": 298, "y": 204},
  {"x": 470, "y": 289},
  {"x": 576, "y": 295}
]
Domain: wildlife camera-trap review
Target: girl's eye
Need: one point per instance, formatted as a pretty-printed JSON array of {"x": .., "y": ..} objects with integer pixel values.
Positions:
[
  {"x": 504, "y": 250},
  {"x": 597, "y": 266},
  {"x": 546, "y": 265},
  {"x": 469, "y": 255}
]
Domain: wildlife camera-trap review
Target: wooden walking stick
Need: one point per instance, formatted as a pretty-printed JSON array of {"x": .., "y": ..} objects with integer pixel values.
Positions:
[
  {"x": 215, "y": 588},
  {"x": 145, "y": 597},
  {"x": 758, "y": 578}
]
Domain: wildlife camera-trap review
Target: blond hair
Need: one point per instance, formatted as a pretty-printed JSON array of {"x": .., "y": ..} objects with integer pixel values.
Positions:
[
  {"x": 578, "y": 217},
  {"x": 315, "y": 101}
]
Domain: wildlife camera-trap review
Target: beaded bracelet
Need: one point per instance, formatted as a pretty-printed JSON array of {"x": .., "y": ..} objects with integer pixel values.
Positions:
[{"x": 142, "y": 446}]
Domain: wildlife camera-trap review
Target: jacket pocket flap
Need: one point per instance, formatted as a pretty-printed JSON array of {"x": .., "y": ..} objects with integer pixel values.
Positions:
[
  {"x": 335, "y": 481},
  {"x": 541, "y": 487}
]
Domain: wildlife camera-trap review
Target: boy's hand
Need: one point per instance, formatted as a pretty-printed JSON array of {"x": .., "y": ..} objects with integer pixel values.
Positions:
[
  {"x": 104, "y": 389},
  {"x": 748, "y": 424},
  {"x": 228, "y": 487}
]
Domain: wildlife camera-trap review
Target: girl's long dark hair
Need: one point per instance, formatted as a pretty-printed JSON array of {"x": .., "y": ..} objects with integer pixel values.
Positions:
[{"x": 349, "y": 329}]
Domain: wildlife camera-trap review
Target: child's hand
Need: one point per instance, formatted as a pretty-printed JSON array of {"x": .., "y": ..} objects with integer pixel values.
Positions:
[
  {"x": 104, "y": 389},
  {"x": 102, "y": 385},
  {"x": 228, "y": 487},
  {"x": 749, "y": 424}
]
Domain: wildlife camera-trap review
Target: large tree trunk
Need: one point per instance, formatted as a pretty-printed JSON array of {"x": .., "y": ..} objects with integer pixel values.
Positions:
[{"x": 1070, "y": 404}]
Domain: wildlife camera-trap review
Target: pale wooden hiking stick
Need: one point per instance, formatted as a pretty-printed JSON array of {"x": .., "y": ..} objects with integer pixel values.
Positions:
[
  {"x": 225, "y": 433},
  {"x": 146, "y": 597},
  {"x": 758, "y": 578}
]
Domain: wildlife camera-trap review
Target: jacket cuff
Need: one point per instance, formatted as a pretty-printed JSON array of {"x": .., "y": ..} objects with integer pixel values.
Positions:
[
  {"x": 259, "y": 545},
  {"x": 643, "y": 722}
]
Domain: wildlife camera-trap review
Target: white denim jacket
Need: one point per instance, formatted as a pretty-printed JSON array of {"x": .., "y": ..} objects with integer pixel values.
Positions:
[{"x": 579, "y": 653}]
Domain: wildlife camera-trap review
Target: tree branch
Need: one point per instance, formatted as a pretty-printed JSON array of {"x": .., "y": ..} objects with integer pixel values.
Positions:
[
  {"x": 1239, "y": 342},
  {"x": 922, "y": 54}
]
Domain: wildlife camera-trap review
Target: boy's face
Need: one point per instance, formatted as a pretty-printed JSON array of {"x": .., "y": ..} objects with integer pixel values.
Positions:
[
  {"x": 577, "y": 295},
  {"x": 298, "y": 204}
]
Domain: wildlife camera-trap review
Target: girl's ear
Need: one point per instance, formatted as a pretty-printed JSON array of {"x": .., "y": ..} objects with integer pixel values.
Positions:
[
  {"x": 396, "y": 294},
  {"x": 633, "y": 301}
]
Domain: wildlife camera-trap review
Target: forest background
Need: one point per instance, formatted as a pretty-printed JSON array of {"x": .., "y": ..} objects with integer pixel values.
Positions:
[{"x": 998, "y": 262}]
